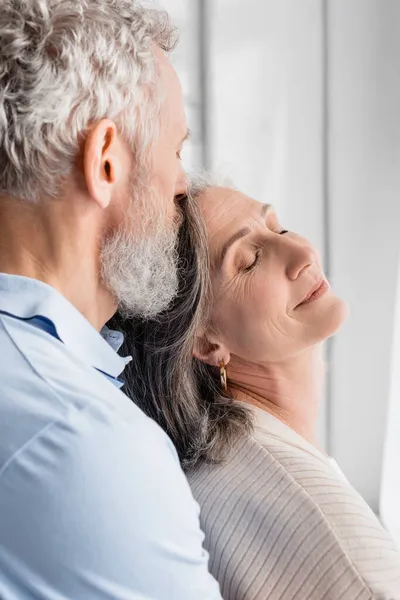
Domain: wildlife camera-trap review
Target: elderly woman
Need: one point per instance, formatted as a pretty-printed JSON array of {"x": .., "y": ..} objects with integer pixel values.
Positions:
[{"x": 238, "y": 390}]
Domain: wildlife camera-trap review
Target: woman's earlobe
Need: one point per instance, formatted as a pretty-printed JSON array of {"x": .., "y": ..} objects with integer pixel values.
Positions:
[
  {"x": 210, "y": 353},
  {"x": 202, "y": 349}
]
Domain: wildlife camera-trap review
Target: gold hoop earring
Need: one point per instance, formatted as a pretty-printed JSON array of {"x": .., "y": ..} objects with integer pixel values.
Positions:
[{"x": 222, "y": 373}]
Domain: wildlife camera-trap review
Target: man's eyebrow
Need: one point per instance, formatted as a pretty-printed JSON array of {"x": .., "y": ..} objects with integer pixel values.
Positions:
[
  {"x": 265, "y": 208},
  {"x": 186, "y": 136}
]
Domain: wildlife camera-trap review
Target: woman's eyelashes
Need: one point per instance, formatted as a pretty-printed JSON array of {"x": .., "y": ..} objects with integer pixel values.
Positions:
[
  {"x": 258, "y": 254},
  {"x": 256, "y": 261}
]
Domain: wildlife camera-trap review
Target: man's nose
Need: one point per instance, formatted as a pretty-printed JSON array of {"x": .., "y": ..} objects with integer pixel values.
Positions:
[{"x": 181, "y": 184}]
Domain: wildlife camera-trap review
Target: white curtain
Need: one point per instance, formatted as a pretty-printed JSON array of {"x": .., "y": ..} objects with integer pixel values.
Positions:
[{"x": 390, "y": 492}]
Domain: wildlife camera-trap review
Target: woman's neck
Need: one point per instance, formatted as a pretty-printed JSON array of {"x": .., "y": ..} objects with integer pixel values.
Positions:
[{"x": 290, "y": 390}]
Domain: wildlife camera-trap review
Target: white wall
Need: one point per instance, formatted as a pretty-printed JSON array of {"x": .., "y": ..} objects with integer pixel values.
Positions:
[{"x": 364, "y": 139}]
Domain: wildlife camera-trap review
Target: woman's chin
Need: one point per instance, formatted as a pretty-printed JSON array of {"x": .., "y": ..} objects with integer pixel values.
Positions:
[
  {"x": 335, "y": 314},
  {"x": 326, "y": 318}
]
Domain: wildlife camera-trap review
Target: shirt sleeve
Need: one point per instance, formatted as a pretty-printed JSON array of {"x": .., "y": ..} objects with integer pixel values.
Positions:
[{"x": 111, "y": 515}]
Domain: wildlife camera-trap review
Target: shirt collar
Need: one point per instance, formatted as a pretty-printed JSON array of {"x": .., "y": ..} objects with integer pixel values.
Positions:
[{"x": 25, "y": 298}]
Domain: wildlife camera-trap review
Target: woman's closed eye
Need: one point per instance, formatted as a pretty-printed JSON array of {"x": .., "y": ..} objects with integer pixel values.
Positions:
[
  {"x": 258, "y": 255},
  {"x": 256, "y": 261}
]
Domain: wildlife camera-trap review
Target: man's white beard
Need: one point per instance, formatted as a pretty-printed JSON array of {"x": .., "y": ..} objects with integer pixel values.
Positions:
[{"x": 139, "y": 266}]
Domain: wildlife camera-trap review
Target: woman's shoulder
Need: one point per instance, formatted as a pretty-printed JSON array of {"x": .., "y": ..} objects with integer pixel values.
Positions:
[{"x": 280, "y": 520}]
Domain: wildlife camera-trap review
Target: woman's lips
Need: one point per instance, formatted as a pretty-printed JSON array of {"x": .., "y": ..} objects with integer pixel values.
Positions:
[{"x": 316, "y": 292}]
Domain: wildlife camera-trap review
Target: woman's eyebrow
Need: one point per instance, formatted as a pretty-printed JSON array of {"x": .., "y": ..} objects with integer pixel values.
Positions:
[
  {"x": 234, "y": 238},
  {"x": 265, "y": 208}
]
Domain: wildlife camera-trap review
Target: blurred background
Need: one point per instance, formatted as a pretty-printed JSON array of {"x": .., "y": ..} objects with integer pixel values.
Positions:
[{"x": 299, "y": 102}]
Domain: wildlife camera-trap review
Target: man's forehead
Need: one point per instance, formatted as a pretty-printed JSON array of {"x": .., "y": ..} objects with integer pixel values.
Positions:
[
  {"x": 159, "y": 55},
  {"x": 173, "y": 105},
  {"x": 166, "y": 70}
]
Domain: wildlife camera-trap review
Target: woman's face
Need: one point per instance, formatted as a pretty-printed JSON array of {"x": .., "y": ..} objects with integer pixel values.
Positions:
[{"x": 271, "y": 299}]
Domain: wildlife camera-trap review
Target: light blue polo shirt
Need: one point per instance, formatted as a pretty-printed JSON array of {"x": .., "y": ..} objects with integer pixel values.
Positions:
[{"x": 93, "y": 503}]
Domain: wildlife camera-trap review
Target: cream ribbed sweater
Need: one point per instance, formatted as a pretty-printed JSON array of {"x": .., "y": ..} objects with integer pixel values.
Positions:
[{"x": 282, "y": 523}]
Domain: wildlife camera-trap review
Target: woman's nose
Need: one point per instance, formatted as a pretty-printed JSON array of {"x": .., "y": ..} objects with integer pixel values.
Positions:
[{"x": 300, "y": 256}]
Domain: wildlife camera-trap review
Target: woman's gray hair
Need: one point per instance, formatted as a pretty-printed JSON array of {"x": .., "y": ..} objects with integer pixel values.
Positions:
[
  {"x": 178, "y": 391},
  {"x": 65, "y": 64}
]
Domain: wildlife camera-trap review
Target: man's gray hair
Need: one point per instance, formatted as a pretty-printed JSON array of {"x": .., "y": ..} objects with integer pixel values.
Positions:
[
  {"x": 65, "y": 64},
  {"x": 182, "y": 394}
]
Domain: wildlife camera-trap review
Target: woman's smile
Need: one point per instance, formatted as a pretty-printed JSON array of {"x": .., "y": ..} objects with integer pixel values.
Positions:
[{"x": 317, "y": 291}]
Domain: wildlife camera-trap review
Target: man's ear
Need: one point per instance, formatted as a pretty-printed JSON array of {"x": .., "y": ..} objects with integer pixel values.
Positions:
[
  {"x": 100, "y": 161},
  {"x": 210, "y": 351}
]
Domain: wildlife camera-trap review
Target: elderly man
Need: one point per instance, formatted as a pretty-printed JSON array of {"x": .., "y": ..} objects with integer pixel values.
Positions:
[{"x": 93, "y": 503}]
